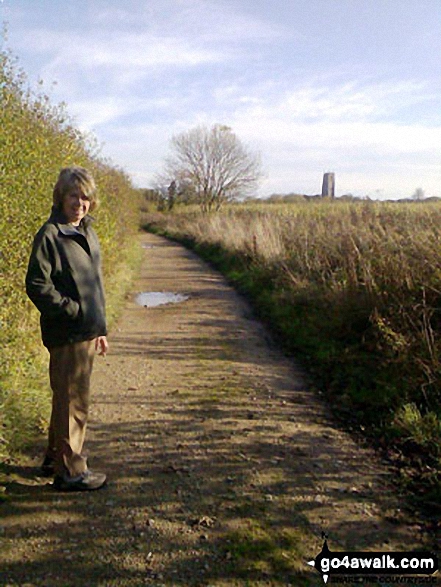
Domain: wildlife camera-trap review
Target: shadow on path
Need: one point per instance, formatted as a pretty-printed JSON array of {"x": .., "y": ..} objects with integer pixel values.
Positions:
[{"x": 223, "y": 468}]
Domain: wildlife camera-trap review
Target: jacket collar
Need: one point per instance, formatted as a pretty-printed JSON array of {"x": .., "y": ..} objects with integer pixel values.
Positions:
[{"x": 58, "y": 218}]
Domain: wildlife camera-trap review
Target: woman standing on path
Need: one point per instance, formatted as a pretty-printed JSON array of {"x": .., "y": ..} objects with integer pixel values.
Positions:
[{"x": 64, "y": 281}]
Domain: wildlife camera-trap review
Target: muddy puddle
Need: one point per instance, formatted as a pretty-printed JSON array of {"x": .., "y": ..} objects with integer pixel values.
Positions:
[{"x": 152, "y": 299}]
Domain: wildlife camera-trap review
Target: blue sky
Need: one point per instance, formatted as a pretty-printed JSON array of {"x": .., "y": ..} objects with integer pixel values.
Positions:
[{"x": 350, "y": 86}]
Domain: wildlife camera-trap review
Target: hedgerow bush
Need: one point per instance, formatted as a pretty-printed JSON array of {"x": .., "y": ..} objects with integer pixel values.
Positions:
[{"x": 37, "y": 139}]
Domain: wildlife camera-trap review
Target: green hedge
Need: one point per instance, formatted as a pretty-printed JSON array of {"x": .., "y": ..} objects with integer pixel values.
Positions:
[{"x": 37, "y": 139}]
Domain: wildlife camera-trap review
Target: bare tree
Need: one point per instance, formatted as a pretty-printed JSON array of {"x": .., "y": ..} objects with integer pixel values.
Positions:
[
  {"x": 213, "y": 164},
  {"x": 418, "y": 194}
]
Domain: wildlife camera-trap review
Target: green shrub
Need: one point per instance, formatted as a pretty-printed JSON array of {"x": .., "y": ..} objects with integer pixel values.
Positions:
[
  {"x": 37, "y": 139},
  {"x": 422, "y": 430}
]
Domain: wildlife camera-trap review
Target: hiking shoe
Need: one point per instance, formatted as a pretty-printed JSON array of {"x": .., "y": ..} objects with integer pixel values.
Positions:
[
  {"x": 87, "y": 481},
  {"x": 47, "y": 468}
]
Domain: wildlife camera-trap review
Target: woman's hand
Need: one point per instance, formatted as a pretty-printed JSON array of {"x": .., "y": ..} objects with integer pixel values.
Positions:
[{"x": 102, "y": 344}]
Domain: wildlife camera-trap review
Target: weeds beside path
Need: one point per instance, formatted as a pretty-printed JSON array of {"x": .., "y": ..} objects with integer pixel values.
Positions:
[{"x": 223, "y": 468}]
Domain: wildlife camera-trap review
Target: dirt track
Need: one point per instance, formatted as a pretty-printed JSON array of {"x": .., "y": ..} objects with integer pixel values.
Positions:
[{"x": 223, "y": 468}]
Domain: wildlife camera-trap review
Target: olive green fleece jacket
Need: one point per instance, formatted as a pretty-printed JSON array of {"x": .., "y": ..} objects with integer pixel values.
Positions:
[{"x": 64, "y": 281}]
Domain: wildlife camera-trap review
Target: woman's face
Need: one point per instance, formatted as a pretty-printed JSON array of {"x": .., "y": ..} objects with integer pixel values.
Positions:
[{"x": 75, "y": 206}]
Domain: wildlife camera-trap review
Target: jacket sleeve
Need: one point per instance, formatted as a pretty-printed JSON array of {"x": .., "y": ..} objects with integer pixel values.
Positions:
[{"x": 39, "y": 285}]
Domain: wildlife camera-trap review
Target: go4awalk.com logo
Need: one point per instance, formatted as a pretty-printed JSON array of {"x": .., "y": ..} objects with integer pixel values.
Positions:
[{"x": 373, "y": 563}]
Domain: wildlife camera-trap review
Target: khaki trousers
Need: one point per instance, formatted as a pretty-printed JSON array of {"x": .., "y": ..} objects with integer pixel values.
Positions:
[{"x": 70, "y": 368}]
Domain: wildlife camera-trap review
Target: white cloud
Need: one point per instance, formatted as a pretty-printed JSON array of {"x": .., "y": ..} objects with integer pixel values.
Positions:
[
  {"x": 315, "y": 101},
  {"x": 104, "y": 110},
  {"x": 310, "y": 130},
  {"x": 121, "y": 51},
  {"x": 140, "y": 71},
  {"x": 202, "y": 20},
  {"x": 145, "y": 35}
]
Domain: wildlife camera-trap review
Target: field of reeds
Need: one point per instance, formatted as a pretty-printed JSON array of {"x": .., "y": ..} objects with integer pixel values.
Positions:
[
  {"x": 353, "y": 289},
  {"x": 37, "y": 139}
]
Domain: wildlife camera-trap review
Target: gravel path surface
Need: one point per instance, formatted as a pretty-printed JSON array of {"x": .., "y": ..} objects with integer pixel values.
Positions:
[{"x": 223, "y": 468}]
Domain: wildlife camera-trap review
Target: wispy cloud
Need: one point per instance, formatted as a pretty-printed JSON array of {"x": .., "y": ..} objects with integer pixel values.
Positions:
[
  {"x": 146, "y": 35},
  {"x": 140, "y": 71},
  {"x": 104, "y": 110},
  {"x": 312, "y": 101},
  {"x": 201, "y": 20},
  {"x": 122, "y": 50},
  {"x": 354, "y": 126}
]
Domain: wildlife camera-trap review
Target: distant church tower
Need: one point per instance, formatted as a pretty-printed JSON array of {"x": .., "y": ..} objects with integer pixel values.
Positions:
[{"x": 328, "y": 188}]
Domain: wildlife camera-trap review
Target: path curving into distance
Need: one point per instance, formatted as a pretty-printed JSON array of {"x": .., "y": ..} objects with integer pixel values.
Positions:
[{"x": 224, "y": 469}]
